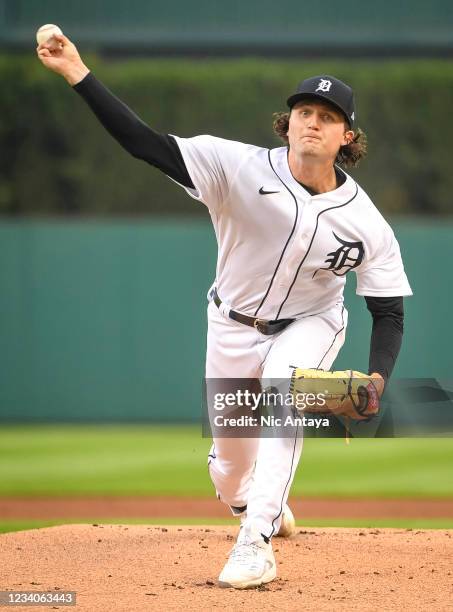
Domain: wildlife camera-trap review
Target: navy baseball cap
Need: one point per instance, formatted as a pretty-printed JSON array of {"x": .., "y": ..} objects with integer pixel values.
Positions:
[{"x": 329, "y": 89}]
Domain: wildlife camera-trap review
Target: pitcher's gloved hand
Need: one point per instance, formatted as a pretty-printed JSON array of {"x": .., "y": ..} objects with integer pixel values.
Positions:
[{"x": 342, "y": 393}]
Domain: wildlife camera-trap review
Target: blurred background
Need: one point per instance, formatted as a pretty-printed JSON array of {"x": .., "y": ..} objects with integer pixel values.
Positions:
[{"x": 99, "y": 250}]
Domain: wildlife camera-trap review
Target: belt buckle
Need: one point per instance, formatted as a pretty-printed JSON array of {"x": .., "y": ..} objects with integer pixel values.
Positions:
[{"x": 257, "y": 323}]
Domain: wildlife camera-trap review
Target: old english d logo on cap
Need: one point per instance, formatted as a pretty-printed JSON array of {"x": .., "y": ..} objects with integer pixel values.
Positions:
[
  {"x": 324, "y": 85},
  {"x": 330, "y": 89}
]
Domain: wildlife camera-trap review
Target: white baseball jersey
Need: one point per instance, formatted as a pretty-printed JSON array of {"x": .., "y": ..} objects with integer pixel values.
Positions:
[{"x": 282, "y": 252}]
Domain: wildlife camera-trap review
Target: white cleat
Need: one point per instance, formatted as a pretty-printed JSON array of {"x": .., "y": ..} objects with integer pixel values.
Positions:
[
  {"x": 251, "y": 562},
  {"x": 288, "y": 524}
]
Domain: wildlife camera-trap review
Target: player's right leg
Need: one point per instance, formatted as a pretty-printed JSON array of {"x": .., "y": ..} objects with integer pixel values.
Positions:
[{"x": 233, "y": 352}]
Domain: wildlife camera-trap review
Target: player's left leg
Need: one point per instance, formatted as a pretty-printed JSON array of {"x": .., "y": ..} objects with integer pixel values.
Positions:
[{"x": 312, "y": 342}]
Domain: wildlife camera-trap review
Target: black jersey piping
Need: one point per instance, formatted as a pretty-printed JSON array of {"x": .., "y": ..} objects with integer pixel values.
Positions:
[
  {"x": 211, "y": 455},
  {"x": 311, "y": 243},
  {"x": 334, "y": 338},
  {"x": 287, "y": 483},
  {"x": 287, "y": 242}
]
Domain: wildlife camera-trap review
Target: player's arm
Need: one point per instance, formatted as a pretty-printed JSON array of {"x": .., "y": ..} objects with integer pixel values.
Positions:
[
  {"x": 386, "y": 335},
  {"x": 159, "y": 150},
  {"x": 351, "y": 393}
]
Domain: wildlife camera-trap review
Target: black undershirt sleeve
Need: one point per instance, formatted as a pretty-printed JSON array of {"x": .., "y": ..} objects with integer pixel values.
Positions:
[
  {"x": 387, "y": 333},
  {"x": 159, "y": 150}
]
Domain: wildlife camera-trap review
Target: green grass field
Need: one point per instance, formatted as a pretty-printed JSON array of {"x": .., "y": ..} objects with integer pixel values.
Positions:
[
  {"x": 120, "y": 460},
  {"x": 159, "y": 460}
]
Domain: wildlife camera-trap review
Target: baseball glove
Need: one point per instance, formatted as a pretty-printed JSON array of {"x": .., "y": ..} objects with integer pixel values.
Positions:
[{"x": 342, "y": 393}]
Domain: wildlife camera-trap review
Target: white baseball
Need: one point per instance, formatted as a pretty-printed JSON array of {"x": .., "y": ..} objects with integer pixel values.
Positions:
[{"x": 46, "y": 32}]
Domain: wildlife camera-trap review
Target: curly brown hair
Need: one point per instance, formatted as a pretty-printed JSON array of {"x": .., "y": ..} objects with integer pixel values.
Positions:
[{"x": 349, "y": 155}]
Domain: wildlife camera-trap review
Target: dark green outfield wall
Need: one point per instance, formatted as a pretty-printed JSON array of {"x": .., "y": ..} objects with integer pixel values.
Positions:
[
  {"x": 106, "y": 320},
  {"x": 212, "y": 24}
]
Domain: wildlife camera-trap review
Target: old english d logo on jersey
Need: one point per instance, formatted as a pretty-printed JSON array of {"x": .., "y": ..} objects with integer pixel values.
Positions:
[{"x": 348, "y": 256}]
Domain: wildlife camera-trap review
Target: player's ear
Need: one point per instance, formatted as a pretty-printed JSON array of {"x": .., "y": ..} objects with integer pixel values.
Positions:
[
  {"x": 287, "y": 120},
  {"x": 348, "y": 137}
]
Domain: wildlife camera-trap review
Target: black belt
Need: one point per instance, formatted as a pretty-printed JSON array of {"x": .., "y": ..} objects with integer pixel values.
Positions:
[{"x": 267, "y": 328}]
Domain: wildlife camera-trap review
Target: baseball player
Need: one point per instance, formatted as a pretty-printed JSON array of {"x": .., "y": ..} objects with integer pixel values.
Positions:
[{"x": 290, "y": 224}]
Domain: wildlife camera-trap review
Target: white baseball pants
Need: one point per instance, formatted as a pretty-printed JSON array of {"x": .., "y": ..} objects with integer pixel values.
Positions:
[{"x": 258, "y": 472}]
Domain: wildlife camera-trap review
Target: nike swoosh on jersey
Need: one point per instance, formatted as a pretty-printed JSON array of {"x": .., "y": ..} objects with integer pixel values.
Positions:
[{"x": 263, "y": 192}]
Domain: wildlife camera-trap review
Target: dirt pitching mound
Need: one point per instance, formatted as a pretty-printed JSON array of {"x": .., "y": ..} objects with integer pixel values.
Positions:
[{"x": 135, "y": 568}]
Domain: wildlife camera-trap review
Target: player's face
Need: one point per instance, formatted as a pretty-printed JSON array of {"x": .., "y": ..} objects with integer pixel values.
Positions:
[{"x": 317, "y": 130}]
